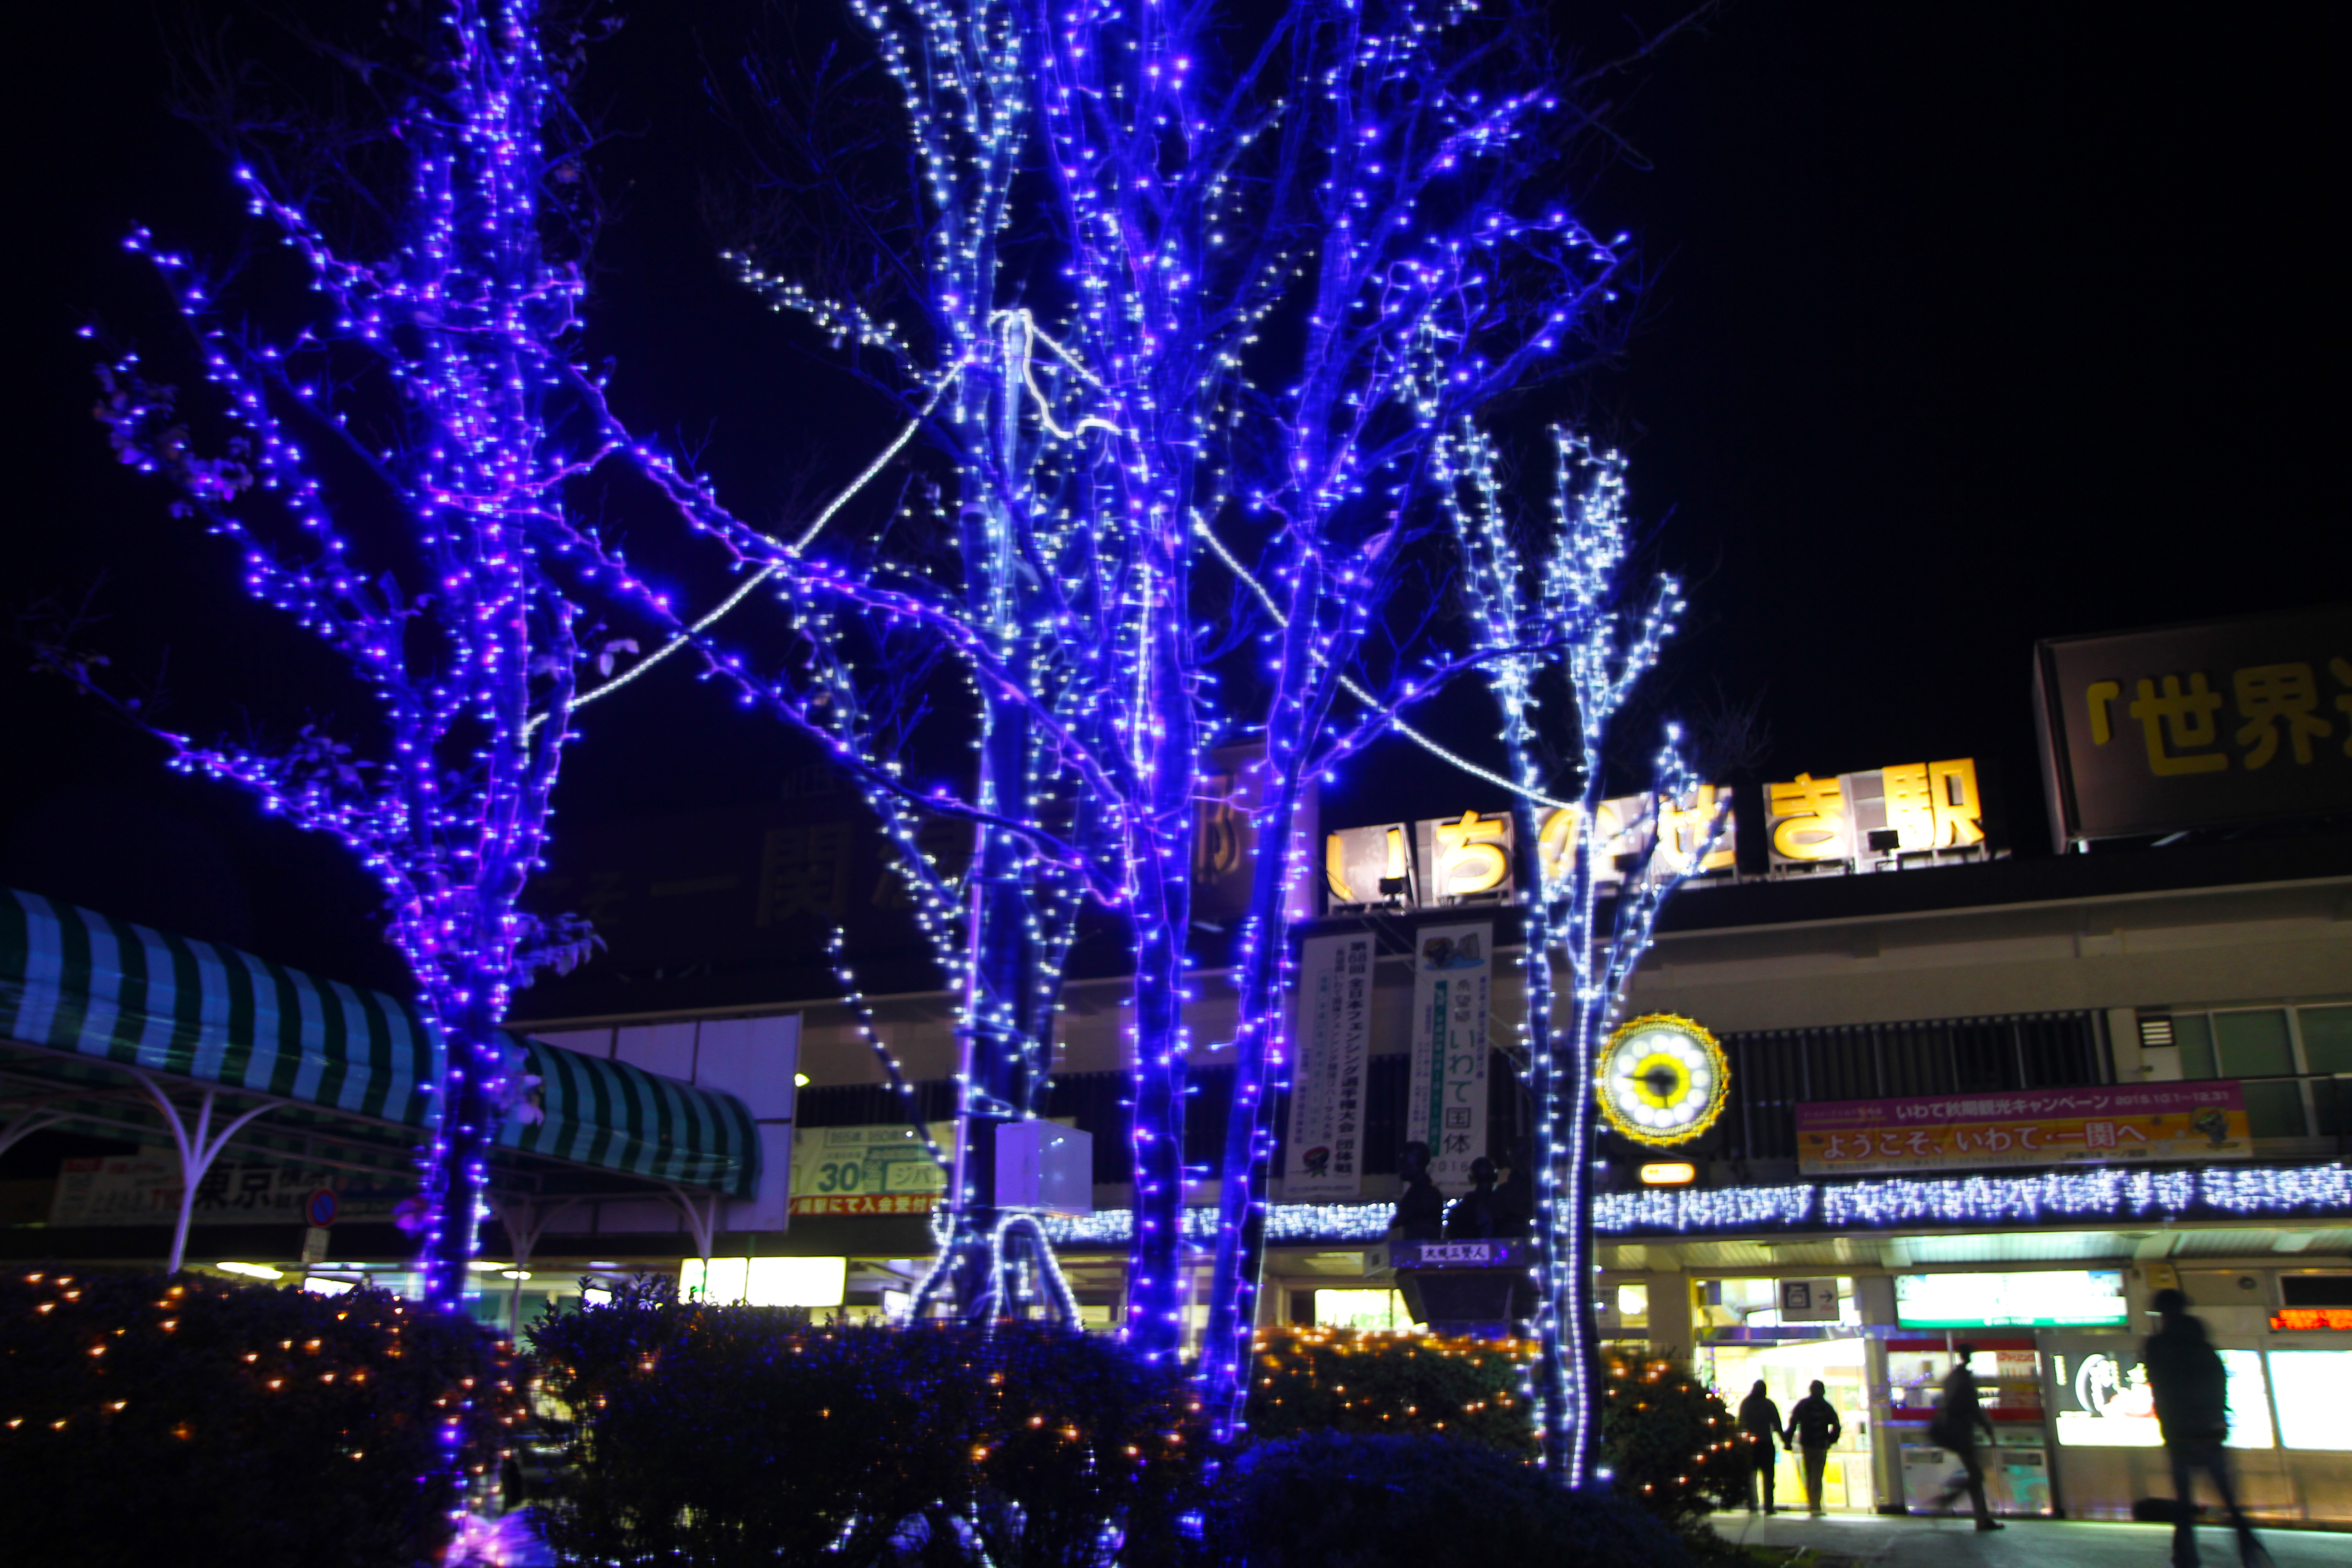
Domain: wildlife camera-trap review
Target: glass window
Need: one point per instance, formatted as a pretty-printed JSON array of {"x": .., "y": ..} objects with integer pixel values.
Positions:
[
  {"x": 2194, "y": 1036},
  {"x": 2314, "y": 1390},
  {"x": 1379, "y": 1310},
  {"x": 2253, "y": 1044},
  {"x": 2327, "y": 1038},
  {"x": 2276, "y": 1109}
]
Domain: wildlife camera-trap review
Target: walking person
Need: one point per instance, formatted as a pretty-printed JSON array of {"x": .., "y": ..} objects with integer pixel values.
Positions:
[
  {"x": 1759, "y": 1420},
  {"x": 1815, "y": 1429},
  {"x": 1955, "y": 1427},
  {"x": 2192, "y": 1410}
]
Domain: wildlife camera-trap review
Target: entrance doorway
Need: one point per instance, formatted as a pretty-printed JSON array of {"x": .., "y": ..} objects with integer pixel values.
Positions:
[{"x": 1788, "y": 1370}]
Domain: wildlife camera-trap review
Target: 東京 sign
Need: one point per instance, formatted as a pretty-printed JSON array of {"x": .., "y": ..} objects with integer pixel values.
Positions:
[{"x": 2197, "y": 726}]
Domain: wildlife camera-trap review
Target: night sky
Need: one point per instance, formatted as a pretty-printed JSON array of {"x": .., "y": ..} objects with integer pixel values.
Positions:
[{"x": 1967, "y": 325}]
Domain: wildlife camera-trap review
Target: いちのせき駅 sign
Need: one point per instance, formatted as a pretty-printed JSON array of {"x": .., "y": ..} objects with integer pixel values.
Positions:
[
  {"x": 2095, "y": 1124},
  {"x": 2197, "y": 726},
  {"x": 1443, "y": 861},
  {"x": 1867, "y": 821}
]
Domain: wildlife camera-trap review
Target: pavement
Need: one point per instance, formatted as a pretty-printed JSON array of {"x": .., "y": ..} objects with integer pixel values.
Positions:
[{"x": 1885, "y": 1541}]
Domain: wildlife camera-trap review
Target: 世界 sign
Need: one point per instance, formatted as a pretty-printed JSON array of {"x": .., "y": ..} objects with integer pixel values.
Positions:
[{"x": 2197, "y": 726}]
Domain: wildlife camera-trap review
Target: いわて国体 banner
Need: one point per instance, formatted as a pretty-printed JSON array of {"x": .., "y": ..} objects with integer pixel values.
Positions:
[
  {"x": 1452, "y": 972},
  {"x": 2099, "y": 1124},
  {"x": 1326, "y": 1157}
]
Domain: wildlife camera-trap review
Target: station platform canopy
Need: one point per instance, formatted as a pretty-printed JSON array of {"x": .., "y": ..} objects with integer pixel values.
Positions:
[{"x": 107, "y": 1028}]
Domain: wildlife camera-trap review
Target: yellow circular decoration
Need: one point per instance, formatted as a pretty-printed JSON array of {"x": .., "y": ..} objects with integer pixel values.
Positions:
[{"x": 1662, "y": 1079}]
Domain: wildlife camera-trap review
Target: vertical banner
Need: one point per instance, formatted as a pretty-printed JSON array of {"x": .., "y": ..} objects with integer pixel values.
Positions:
[
  {"x": 1452, "y": 972},
  {"x": 1327, "y": 1096}
]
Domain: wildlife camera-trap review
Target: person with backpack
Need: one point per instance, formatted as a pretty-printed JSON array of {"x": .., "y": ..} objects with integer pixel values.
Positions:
[
  {"x": 1759, "y": 1423},
  {"x": 2192, "y": 1410},
  {"x": 1814, "y": 1428},
  {"x": 1955, "y": 1427}
]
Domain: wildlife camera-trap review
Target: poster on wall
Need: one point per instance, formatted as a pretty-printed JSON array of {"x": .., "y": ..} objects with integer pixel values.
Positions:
[
  {"x": 1453, "y": 974},
  {"x": 868, "y": 1170},
  {"x": 1326, "y": 1158},
  {"x": 2095, "y": 1124}
]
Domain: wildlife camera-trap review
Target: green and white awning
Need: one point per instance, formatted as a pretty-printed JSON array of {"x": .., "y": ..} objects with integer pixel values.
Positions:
[{"x": 103, "y": 990}]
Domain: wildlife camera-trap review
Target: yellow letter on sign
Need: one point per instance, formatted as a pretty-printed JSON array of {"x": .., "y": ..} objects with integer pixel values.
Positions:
[{"x": 1470, "y": 858}]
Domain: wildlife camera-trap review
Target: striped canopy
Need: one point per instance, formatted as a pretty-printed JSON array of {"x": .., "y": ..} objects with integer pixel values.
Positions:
[{"x": 105, "y": 990}]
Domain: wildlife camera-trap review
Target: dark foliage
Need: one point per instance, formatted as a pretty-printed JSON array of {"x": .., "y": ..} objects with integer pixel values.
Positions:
[
  {"x": 737, "y": 1434},
  {"x": 152, "y": 1419},
  {"x": 1327, "y": 1381},
  {"x": 1330, "y": 1500},
  {"x": 1671, "y": 1444}
]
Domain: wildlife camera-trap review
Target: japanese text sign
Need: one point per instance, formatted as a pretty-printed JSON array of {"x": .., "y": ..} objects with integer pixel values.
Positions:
[
  {"x": 868, "y": 1170},
  {"x": 1453, "y": 971},
  {"x": 2190, "y": 726},
  {"x": 144, "y": 1189},
  {"x": 1425, "y": 864},
  {"x": 2100, "y": 1124},
  {"x": 1925, "y": 807},
  {"x": 1329, "y": 1096}
]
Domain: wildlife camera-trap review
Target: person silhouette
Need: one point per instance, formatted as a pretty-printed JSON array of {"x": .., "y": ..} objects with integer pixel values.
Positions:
[
  {"x": 1815, "y": 1428},
  {"x": 1420, "y": 1207},
  {"x": 2193, "y": 1411},
  {"x": 1759, "y": 1422},
  {"x": 1479, "y": 1213}
]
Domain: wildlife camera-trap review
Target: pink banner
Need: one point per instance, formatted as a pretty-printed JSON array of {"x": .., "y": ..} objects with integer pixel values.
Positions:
[{"x": 2099, "y": 1124}]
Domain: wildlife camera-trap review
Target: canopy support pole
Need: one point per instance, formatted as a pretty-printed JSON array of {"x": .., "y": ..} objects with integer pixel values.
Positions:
[
  {"x": 525, "y": 1221},
  {"x": 198, "y": 1150},
  {"x": 701, "y": 1217}
]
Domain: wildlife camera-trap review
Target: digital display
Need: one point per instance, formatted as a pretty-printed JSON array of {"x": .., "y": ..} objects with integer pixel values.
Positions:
[
  {"x": 2311, "y": 1320},
  {"x": 2313, "y": 1389},
  {"x": 2042, "y": 1298}
]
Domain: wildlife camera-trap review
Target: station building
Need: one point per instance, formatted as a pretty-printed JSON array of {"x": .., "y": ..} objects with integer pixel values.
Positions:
[{"x": 1971, "y": 1098}]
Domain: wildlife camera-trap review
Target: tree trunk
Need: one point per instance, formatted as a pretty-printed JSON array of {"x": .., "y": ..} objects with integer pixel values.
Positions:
[
  {"x": 1262, "y": 1057},
  {"x": 457, "y": 1181}
]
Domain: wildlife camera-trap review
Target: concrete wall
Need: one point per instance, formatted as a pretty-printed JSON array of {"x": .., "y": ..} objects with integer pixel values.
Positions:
[{"x": 2269, "y": 945}]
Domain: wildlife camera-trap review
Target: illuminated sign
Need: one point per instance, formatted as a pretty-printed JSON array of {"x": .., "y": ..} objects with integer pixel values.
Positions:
[
  {"x": 1862, "y": 819},
  {"x": 2035, "y": 1298},
  {"x": 2304, "y": 1319},
  {"x": 2105, "y": 1400},
  {"x": 1669, "y": 1174},
  {"x": 1662, "y": 1079},
  {"x": 2193, "y": 726},
  {"x": 2114, "y": 1124},
  {"x": 2314, "y": 1391},
  {"x": 1444, "y": 859},
  {"x": 764, "y": 1281}
]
